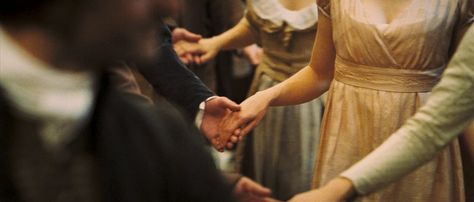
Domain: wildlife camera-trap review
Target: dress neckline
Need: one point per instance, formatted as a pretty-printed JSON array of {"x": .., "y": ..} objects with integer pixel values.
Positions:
[
  {"x": 278, "y": 14},
  {"x": 401, "y": 15}
]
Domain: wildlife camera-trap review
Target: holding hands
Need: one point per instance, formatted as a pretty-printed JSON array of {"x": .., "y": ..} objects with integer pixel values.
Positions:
[
  {"x": 247, "y": 190},
  {"x": 337, "y": 190},
  {"x": 224, "y": 123},
  {"x": 197, "y": 51},
  {"x": 236, "y": 125}
]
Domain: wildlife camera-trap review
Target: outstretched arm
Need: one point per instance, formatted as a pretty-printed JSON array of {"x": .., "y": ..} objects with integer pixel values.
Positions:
[
  {"x": 241, "y": 35},
  {"x": 307, "y": 84},
  {"x": 170, "y": 78}
]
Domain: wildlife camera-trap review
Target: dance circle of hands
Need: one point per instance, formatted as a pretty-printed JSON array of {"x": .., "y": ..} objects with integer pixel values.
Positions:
[{"x": 226, "y": 123}]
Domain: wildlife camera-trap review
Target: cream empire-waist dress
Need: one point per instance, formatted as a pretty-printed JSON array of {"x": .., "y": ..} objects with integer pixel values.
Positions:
[{"x": 383, "y": 74}]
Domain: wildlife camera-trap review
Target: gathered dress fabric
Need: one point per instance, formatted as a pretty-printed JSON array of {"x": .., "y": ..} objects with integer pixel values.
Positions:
[
  {"x": 280, "y": 153},
  {"x": 383, "y": 74}
]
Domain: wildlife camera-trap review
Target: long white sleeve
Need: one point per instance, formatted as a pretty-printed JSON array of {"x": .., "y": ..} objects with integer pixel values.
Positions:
[{"x": 446, "y": 114}]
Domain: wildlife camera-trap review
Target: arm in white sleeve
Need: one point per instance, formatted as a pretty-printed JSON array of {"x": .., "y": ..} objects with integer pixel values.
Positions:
[{"x": 448, "y": 111}]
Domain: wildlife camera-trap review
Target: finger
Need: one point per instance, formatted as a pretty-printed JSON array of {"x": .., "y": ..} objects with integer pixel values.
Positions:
[
  {"x": 217, "y": 144},
  {"x": 179, "y": 50},
  {"x": 237, "y": 132},
  {"x": 227, "y": 103},
  {"x": 196, "y": 59},
  {"x": 189, "y": 36},
  {"x": 259, "y": 190},
  {"x": 189, "y": 58},
  {"x": 184, "y": 60},
  {"x": 234, "y": 139},
  {"x": 230, "y": 145},
  {"x": 206, "y": 57},
  {"x": 249, "y": 127},
  {"x": 229, "y": 124},
  {"x": 195, "y": 49}
]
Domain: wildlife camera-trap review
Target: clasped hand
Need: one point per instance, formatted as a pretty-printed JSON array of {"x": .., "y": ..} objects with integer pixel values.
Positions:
[
  {"x": 224, "y": 123},
  {"x": 236, "y": 125}
]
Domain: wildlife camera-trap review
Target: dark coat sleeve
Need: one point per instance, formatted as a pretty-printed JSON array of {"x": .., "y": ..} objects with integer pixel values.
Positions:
[{"x": 170, "y": 78}]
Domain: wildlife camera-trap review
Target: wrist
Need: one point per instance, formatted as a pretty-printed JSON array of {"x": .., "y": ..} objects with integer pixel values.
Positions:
[
  {"x": 342, "y": 186},
  {"x": 271, "y": 95},
  {"x": 216, "y": 43}
]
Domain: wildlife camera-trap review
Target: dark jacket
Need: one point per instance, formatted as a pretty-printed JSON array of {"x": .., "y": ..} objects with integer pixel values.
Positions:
[
  {"x": 145, "y": 153},
  {"x": 171, "y": 79}
]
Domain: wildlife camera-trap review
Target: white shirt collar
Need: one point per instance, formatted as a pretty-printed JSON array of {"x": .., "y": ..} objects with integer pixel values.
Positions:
[{"x": 59, "y": 99}]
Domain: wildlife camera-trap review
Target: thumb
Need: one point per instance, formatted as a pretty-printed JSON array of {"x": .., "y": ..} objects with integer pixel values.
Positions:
[
  {"x": 250, "y": 126},
  {"x": 257, "y": 189},
  {"x": 209, "y": 55},
  {"x": 227, "y": 103},
  {"x": 192, "y": 37}
]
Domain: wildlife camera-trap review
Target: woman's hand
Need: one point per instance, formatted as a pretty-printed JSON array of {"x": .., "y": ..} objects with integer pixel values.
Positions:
[
  {"x": 188, "y": 52},
  {"x": 337, "y": 190},
  {"x": 209, "y": 48},
  {"x": 237, "y": 124},
  {"x": 198, "y": 53}
]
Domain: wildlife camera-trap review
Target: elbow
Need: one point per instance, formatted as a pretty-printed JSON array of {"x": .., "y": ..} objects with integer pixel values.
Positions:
[
  {"x": 323, "y": 82},
  {"x": 323, "y": 78}
]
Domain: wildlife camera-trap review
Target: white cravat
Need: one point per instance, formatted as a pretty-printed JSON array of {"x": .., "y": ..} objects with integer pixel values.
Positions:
[{"x": 60, "y": 100}]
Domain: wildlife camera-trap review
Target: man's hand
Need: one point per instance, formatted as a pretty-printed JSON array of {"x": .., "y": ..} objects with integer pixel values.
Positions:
[
  {"x": 185, "y": 44},
  {"x": 216, "y": 109},
  {"x": 236, "y": 125},
  {"x": 247, "y": 190},
  {"x": 180, "y": 34}
]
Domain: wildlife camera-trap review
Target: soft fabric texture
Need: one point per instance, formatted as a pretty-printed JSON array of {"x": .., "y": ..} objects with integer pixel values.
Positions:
[
  {"x": 275, "y": 12},
  {"x": 382, "y": 76},
  {"x": 280, "y": 154},
  {"x": 448, "y": 111}
]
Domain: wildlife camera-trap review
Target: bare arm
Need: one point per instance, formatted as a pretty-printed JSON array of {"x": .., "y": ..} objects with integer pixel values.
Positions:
[
  {"x": 241, "y": 35},
  {"x": 313, "y": 80},
  {"x": 309, "y": 83}
]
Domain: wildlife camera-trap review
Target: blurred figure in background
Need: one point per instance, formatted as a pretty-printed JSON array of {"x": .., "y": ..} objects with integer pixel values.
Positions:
[
  {"x": 65, "y": 133},
  {"x": 190, "y": 94}
]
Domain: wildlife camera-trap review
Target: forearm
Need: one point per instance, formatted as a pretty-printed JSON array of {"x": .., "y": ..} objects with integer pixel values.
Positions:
[
  {"x": 239, "y": 36},
  {"x": 302, "y": 87},
  {"x": 313, "y": 80}
]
